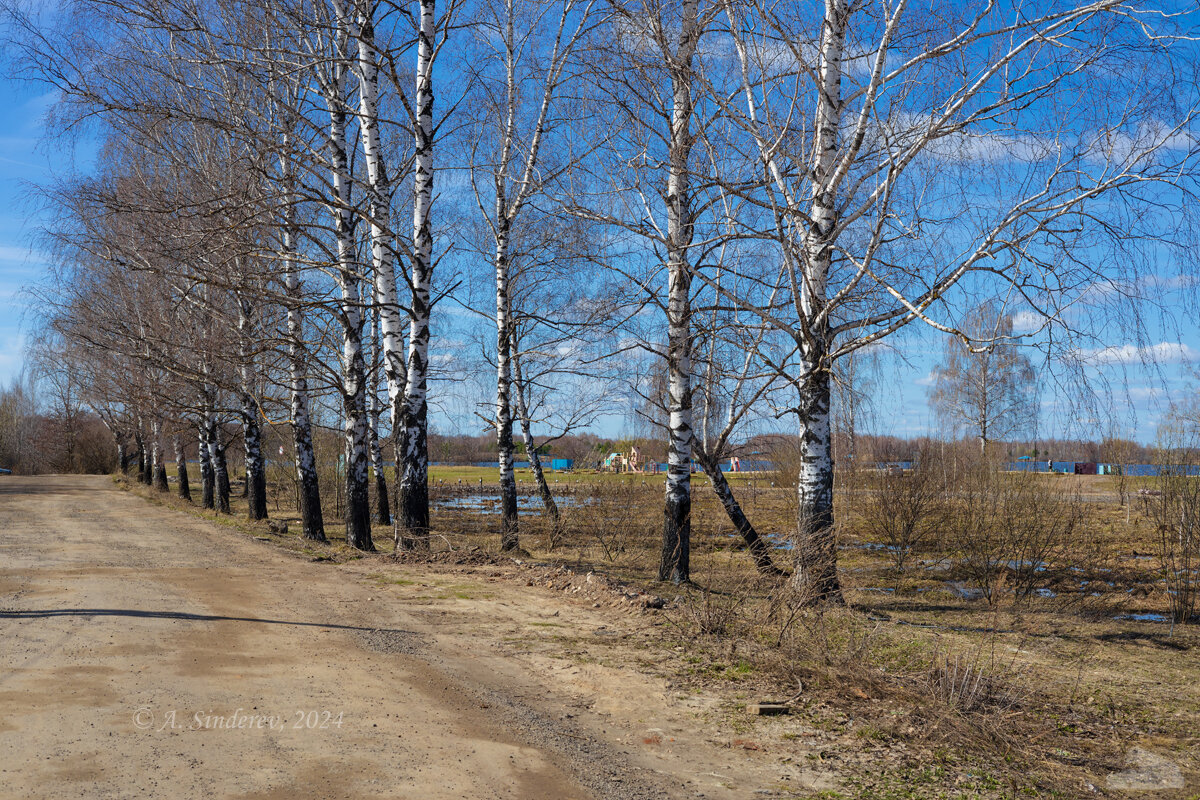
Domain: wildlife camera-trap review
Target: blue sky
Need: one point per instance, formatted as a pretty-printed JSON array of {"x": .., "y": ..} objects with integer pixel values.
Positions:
[
  {"x": 21, "y": 161},
  {"x": 1138, "y": 391},
  {"x": 26, "y": 158}
]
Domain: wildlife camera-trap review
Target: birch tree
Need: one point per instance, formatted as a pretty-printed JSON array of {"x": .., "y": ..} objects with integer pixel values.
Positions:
[
  {"x": 908, "y": 154},
  {"x": 649, "y": 75},
  {"x": 528, "y": 48},
  {"x": 987, "y": 389},
  {"x": 414, "y": 417},
  {"x": 383, "y": 242}
]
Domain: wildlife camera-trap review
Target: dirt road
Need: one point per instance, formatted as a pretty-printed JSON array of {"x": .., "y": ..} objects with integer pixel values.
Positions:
[{"x": 150, "y": 653}]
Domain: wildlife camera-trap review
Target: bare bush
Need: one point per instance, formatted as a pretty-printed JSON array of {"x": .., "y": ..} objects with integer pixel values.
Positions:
[
  {"x": 1011, "y": 527},
  {"x": 615, "y": 522},
  {"x": 905, "y": 509},
  {"x": 711, "y": 612},
  {"x": 971, "y": 681},
  {"x": 1177, "y": 513}
]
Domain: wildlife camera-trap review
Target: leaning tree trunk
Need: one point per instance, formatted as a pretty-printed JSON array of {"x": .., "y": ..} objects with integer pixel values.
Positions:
[
  {"x": 509, "y": 530},
  {"x": 760, "y": 551},
  {"x": 160, "y": 468},
  {"x": 207, "y": 478},
  {"x": 549, "y": 507},
  {"x": 181, "y": 473},
  {"x": 121, "y": 457},
  {"x": 414, "y": 485}
]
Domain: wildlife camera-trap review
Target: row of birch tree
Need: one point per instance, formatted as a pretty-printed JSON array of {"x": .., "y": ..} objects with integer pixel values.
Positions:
[{"x": 702, "y": 209}]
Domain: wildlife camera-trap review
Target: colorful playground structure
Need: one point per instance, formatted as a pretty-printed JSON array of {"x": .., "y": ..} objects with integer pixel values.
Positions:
[
  {"x": 634, "y": 462},
  {"x": 631, "y": 462}
]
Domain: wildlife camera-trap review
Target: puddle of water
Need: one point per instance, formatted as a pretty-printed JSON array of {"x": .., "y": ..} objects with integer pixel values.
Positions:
[
  {"x": 1018, "y": 564},
  {"x": 525, "y": 503},
  {"x": 1045, "y": 593},
  {"x": 779, "y": 541},
  {"x": 870, "y": 546},
  {"x": 1144, "y": 617}
]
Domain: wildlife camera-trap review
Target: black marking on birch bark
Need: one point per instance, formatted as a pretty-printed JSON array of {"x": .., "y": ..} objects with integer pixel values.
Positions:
[
  {"x": 181, "y": 471},
  {"x": 358, "y": 500},
  {"x": 220, "y": 468},
  {"x": 256, "y": 474},
  {"x": 312, "y": 521},
  {"x": 160, "y": 467}
]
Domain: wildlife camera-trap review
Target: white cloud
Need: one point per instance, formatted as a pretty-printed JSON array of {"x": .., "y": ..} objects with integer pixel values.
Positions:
[
  {"x": 1161, "y": 353},
  {"x": 1027, "y": 321},
  {"x": 928, "y": 380}
]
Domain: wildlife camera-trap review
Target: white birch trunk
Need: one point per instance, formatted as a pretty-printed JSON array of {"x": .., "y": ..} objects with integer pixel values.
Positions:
[
  {"x": 509, "y": 533},
  {"x": 383, "y": 514},
  {"x": 207, "y": 483},
  {"x": 216, "y": 455},
  {"x": 311, "y": 519},
  {"x": 414, "y": 483},
  {"x": 383, "y": 237},
  {"x": 353, "y": 389},
  {"x": 156, "y": 450},
  {"x": 674, "y": 564},
  {"x": 816, "y": 548}
]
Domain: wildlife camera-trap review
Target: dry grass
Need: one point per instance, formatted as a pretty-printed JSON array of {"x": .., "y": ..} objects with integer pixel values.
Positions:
[{"x": 1044, "y": 688}]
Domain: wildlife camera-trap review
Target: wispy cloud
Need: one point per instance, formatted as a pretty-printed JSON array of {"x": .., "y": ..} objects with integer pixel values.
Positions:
[
  {"x": 21, "y": 255},
  {"x": 1027, "y": 321},
  {"x": 1161, "y": 353},
  {"x": 928, "y": 380}
]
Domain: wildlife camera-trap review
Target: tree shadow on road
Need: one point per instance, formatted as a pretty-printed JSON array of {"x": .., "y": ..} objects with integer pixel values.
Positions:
[{"x": 183, "y": 615}]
